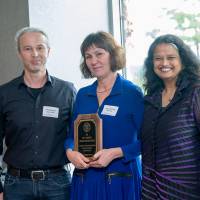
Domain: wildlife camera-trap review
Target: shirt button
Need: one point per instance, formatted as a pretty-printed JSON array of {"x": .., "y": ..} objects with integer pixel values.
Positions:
[{"x": 36, "y": 136}]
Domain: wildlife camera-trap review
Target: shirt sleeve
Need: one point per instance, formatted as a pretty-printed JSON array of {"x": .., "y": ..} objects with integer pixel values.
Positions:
[
  {"x": 1, "y": 186},
  {"x": 1, "y": 137},
  {"x": 69, "y": 142}
]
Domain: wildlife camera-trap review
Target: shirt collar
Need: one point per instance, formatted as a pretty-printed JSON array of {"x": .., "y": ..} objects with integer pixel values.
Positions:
[
  {"x": 50, "y": 80},
  {"x": 156, "y": 96}
]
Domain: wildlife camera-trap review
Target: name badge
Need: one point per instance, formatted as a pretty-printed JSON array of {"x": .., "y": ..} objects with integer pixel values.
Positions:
[
  {"x": 110, "y": 110},
  {"x": 49, "y": 111}
]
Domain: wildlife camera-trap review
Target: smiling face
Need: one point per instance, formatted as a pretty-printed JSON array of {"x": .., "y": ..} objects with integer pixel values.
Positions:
[
  {"x": 167, "y": 62},
  {"x": 98, "y": 61},
  {"x": 33, "y": 51}
]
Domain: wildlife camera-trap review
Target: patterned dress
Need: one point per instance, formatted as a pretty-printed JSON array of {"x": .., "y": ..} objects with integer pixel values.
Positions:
[{"x": 171, "y": 146}]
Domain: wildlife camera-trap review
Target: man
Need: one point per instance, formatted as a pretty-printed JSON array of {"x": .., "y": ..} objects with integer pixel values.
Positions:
[{"x": 35, "y": 112}]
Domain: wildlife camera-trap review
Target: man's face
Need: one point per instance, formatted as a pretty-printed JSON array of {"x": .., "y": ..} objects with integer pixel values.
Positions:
[{"x": 33, "y": 51}]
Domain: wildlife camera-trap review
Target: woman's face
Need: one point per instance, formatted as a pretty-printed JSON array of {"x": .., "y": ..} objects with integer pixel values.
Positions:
[
  {"x": 167, "y": 62},
  {"x": 98, "y": 61}
]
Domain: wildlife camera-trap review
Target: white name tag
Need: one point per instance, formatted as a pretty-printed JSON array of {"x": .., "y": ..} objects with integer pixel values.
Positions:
[
  {"x": 110, "y": 110},
  {"x": 49, "y": 111}
]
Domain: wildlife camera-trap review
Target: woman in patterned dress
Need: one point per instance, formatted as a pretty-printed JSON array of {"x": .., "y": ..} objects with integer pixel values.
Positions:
[{"x": 171, "y": 126}]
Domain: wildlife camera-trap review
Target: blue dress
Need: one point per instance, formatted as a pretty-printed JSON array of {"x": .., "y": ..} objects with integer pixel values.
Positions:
[{"x": 120, "y": 130}]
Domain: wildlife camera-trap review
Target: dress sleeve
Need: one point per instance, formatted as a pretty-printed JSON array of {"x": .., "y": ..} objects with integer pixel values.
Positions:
[
  {"x": 133, "y": 149},
  {"x": 196, "y": 107}
]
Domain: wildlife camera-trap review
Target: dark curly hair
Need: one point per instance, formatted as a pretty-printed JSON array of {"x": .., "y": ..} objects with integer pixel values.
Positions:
[
  {"x": 189, "y": 60},
  {"x": 105, "y": 41}
]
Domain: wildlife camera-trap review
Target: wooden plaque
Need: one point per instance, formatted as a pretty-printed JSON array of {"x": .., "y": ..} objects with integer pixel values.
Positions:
[{"x": 88, "y": 134}]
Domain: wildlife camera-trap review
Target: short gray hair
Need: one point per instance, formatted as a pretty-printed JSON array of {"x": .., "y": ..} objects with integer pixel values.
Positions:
[{"x": 29, "y": 30}]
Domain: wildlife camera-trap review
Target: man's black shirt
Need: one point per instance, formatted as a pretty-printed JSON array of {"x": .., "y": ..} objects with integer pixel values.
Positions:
[{"x": 35, "y": 126}]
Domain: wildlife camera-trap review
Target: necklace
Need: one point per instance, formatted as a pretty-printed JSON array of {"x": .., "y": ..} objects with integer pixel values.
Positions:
[
  {"x": 106, "y": 90},
  {"x": 170, "y": 99}
]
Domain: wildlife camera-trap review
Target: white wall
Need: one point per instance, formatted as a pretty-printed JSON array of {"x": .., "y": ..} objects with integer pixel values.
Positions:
[
  {"x": 67, "y": 22},
  {"x": 13, "y": 16}
]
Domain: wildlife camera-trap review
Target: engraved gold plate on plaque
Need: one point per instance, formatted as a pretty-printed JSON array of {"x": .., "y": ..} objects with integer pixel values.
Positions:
[{"x": 88, "y": 134}]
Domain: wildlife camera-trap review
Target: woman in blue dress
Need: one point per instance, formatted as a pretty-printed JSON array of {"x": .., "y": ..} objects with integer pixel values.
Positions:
[{"x": 114, "y": 171}]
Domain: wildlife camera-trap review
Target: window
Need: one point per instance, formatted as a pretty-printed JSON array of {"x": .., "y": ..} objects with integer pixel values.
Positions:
[{"x": 138, "y": 22}]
